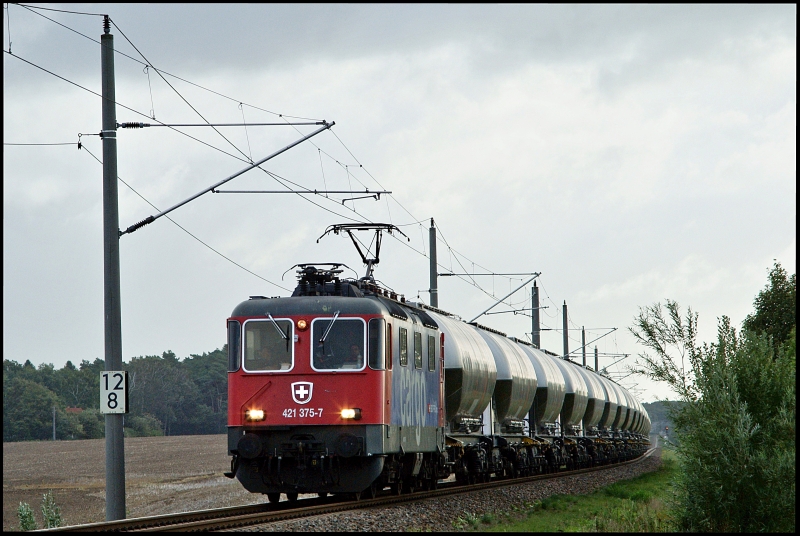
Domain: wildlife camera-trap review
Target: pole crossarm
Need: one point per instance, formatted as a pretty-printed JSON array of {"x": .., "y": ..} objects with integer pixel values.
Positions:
[
  {"x": 369, "y": 193},
  {"x": 498, "y": 302},
  {"x": 451, "y": 273},
  {"x": 147, "y": 125},
  {"x": 515, "y": 311},
  {"x": 151, "y": 219},
  {"x": 612, "y": 330}
]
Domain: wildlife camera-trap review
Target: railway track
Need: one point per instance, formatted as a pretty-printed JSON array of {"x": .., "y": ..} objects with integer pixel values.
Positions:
[{"x": 243, "y": 516}]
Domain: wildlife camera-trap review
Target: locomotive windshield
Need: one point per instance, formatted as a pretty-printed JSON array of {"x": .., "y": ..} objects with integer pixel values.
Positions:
[
  {"x": 268, "y": 345},
  {"x": 343, "y": 344}
]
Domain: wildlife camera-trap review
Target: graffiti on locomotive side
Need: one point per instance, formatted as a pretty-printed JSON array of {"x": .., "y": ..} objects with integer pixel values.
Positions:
[{"x": 413, "y": 406}]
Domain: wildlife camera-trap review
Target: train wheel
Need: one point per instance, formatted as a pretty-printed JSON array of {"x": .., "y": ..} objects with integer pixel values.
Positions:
[
  {"x": 411, "y": 486},
  {"x": 356, "y": 496},
  {"x": 322, "y": 494},
  {"x": 292, "y": 496},
  {"x": 434, "y": 483},
  {"x": 273, "y": 497}
]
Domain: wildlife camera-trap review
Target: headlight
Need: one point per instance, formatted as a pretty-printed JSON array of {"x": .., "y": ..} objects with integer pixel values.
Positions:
[
  {"x": 255, "y": 414},
  {"x": 354, "y": 414},
  {"x": 302, "y": 324}
]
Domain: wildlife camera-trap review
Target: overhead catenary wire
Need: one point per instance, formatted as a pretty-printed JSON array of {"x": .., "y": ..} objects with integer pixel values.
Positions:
[
  {"x": 189, "y": 232},
  {"x": 283, "y": 116},
  {"x": 120, "y": 104},
  {"x": 27, "y": 6},
  {"x": 162, "y": 71}
]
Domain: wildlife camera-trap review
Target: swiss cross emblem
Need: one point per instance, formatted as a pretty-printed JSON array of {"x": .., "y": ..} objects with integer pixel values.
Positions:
[{"x": 301, "y": 392}]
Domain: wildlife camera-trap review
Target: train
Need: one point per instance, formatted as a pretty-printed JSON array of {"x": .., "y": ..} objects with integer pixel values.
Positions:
[{"x": 344, "y": 387}]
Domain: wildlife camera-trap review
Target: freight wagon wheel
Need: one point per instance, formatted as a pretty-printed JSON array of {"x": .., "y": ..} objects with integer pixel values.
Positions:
[
  {"x": 273, "y": 497},
  {"x": 397, "y": 487},
  {"x": 292, "y": 496}
]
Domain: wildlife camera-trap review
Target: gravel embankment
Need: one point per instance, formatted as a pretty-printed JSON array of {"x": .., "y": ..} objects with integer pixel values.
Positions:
[{"x": 440, "y": 514}]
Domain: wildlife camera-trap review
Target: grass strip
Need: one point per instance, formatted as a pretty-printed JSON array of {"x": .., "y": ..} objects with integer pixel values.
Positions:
[{"x": 635, "y": 505}]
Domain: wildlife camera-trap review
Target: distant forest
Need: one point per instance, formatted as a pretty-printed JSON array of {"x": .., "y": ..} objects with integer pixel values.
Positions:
[{"x": 167, "y": 396}]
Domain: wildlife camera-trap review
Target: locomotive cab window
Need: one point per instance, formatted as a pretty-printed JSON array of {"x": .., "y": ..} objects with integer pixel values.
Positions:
[
  {"x": 234, "y": 333},
  {"x": 403, "y": 347},
  {"x": 376, "y": 340},
  {"x": 418, "y": 350},
  {"x": 338, "y": 343},
  {"x": 268, "y": 345},
  {"x": 431, "y": 353}
]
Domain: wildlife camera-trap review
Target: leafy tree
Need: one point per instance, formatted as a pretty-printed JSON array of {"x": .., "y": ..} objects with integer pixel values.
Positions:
[
  {"x": 27, "y": 411},
  {"x": 775, "y": 307},
  {"x": 167, "y": 396},
  {"x": 143, "y": 426},
  {"x": 736, "y": 426},
  {"x": 93, "y": 423}
]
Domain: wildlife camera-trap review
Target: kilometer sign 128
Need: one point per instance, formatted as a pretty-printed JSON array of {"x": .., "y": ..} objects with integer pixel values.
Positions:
[{"x": 114, "y": 391}]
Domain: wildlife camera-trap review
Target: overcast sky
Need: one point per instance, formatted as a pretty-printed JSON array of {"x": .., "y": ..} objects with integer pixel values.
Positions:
[{"x": 628, "y": 153}]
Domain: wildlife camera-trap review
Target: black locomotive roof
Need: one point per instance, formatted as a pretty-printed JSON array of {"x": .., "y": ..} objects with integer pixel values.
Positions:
[
  {"x": 310, "y": 305},
  {"x": 260, "y": 306}
]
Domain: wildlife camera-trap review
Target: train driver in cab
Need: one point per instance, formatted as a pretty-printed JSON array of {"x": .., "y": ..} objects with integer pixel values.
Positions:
[
  {"x": 265, "y": 360},
  {"x": 354, "y": 358}
]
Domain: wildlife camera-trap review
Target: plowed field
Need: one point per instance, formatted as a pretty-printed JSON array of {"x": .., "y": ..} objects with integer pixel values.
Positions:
[{"x": 162, "y": 475}]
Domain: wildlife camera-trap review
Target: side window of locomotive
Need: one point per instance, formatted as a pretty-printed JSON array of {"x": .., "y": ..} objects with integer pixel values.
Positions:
[
  {"x": 418, "y": 350},
  {"x": 234, "y": 334},
  {"x": 403, "y": 347},
  {"x": 376, "y": 339},
  {"x": 268, "y": 345},
  {"x": 389, "y": 351},
  {"x": 431, "y": 352},
  {"x": 338, "y": 346}
]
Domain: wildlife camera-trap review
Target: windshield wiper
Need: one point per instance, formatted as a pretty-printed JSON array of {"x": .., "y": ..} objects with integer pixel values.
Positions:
[
  {"x": 335, "y": 316},
  {"x": 277, "y": 327}
]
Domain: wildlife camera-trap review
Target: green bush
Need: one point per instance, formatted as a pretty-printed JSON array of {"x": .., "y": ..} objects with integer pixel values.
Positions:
[
  {"x": 26, "y": 519},
  {"x": 143, "y": 426},
  {"x": 736, "y": 427},
  {"x": 50, "y": 511}
]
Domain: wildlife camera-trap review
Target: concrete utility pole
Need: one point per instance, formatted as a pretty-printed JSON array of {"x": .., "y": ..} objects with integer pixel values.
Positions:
[
  {"x": 115, "y": 445},
  {"x": 434, "y": 266},
  {"x": 535, "y": 329},
  {"x": 566, "y": 333},
  {"x": 583, "y": 343}
]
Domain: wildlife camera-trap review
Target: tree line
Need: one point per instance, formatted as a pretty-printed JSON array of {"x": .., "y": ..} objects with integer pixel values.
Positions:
[
  {"x": 167, "y": 396},
  {"x": 736, "y": 424}
]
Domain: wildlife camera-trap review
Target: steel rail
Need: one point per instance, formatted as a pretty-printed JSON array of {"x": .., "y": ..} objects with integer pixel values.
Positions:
[{"x": 259, "y": 514}]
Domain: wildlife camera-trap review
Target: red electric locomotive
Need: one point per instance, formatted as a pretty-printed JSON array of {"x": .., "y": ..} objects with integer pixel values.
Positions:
[{"x": 314, "y": 401}]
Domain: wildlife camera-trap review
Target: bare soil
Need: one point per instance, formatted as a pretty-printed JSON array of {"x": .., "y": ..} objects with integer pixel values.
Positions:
[{"x": 162, "y": 475}]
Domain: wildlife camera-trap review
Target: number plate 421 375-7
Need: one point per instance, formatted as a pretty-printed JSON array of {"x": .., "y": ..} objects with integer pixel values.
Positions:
[{"x": 302, "y": 412}]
